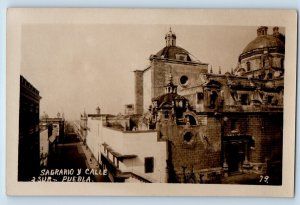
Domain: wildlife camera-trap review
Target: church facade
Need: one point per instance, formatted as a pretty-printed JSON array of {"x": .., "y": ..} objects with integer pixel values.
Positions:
[
  {"x": 220, "y": 124},
  {"x": 213, "y": 125}
]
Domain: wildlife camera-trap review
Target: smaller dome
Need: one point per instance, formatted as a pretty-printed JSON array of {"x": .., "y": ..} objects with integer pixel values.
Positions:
[
  {"x": 170, "y": 52},
  {"x": 168, "y": 99},
  {"x": 173, "y": 52}
]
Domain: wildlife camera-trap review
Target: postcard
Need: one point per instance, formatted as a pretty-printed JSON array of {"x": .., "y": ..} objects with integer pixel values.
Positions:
[{"x": 151, "y": 102}]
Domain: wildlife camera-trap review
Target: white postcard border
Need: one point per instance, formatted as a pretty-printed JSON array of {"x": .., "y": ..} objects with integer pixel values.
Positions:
[{"x": 17, "y": 17}]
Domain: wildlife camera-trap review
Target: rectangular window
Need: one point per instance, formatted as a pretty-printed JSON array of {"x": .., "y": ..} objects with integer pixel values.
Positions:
[
  {"x": 199, "y": 97},
  {"x": 244, "y": 99},
  {"x": 129, "y": 106},
  {"x": 270, "y": 99},
  {"x": 166, "y": 114},
  {"x": 149, "y": 164},
  {"x": 181, "y": 57},
  {"x": 233, "y": 124}
]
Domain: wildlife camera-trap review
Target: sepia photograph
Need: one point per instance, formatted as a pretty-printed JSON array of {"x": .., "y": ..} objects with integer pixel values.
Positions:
[{"x": 167, "y": 103}]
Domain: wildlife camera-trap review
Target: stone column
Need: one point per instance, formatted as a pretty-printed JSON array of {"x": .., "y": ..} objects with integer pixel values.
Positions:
[{"x": 246, "y": 165}]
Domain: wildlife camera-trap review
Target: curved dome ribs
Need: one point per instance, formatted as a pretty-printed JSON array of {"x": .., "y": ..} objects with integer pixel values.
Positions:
[
  {"x": 266, "y": 41},
  {"x": 263, "y": 57},
  {"x": 176, "y": 53},
  {"x": 273, "y": 43}
]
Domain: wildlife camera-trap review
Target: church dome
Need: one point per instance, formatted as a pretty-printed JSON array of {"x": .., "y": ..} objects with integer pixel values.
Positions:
[
  {"x": 263, "y": 41},
  {"x": 173, "y": 52}
]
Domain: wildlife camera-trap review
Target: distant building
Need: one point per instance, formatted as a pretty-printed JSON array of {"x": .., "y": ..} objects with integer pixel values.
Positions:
[
  {"x": 83, "y": 127},
  {"x": 28, "y": 156},
  {"x": 195, "y": 126},
  {"x": 52, "y": 131},
  {"x": 55, "y": 126}
]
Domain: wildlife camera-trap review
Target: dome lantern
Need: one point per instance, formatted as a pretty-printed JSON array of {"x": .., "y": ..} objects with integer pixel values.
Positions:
[
  {"x": 170, "y": 38},
  {"x": 262, "y": 30}
]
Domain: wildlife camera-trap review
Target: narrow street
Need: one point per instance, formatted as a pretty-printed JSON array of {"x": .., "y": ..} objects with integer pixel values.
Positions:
[{"x": 70, "y": 154}]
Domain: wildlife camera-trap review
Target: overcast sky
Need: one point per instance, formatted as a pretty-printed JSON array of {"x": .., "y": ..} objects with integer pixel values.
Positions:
[{"x": 77, "y": 67}]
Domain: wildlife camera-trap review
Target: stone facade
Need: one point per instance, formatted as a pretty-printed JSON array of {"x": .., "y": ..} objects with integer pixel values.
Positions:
[
  {"x": 211, "y": 125},
  {"x": 230, "y": 122}
]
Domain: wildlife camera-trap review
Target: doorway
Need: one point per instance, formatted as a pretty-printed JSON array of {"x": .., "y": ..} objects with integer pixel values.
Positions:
[
  {"x": 236, "y": 152},
  {"x": 235, "y": 157}
]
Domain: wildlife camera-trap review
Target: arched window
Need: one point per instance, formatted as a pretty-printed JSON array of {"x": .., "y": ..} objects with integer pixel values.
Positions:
[
  {"x": 270, "y": 76},
  {"x": 213, "y": 98},
  {"x": 192, "y": 120},
  {"x": 166, "y": 113}
]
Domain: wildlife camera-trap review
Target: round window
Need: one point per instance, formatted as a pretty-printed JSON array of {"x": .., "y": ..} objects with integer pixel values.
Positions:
[{"x": 184, "y": 80}]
